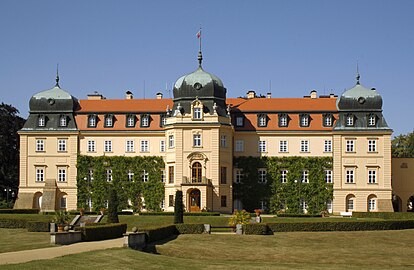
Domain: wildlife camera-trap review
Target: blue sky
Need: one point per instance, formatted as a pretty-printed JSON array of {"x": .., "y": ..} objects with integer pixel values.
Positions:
[{"x": 114, "y": 46}]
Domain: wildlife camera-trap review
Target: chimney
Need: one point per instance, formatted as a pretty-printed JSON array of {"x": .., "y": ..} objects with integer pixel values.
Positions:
[
  {"x": 332, "y": 95},
  {"x": 129, "y": 95},
  {"x": 95, "y": 96},
  {"x": 251, "y": 94},
  {"x": 159, "y": 95},
  {"x": 269, "y": 95},
  {"x": 313, "y": 94}
]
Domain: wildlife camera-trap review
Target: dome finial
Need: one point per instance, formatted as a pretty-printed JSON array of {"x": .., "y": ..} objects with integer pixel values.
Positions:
[
  {"x": 200, "y": 55},
  {"x": 357, "y": 74},
  {"x": 57, "y": 75}
]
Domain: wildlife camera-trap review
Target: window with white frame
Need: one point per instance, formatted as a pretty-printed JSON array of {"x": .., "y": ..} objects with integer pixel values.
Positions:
[
  {"x": 196, "y": 140},
  {"x": 92, "y": 121},
  {"x": 305, "y": 176},
  {"x": 350, "y": 204},
  {"x": 145, "y": 121},
  {"x": 129, "y": 146},
  {"x": 350, "y": 146},
  {"x": 109, "y": 121},
  {"x": 62, "y": 145},
  {"x": 262, "y": 175},
  {"x": 41, "y": 121},
  {"x": 40, "y": 174},
  {"x": 372, "y": 145},
  {"x": 130, "y": 175},
  {"x": 283, "y": 120},
  {"x": 223, "y": 141},
  {"x": 130, "y": 121},
  {"x": 40, "y": 145},
  {"x": 372, "y": 203},
  {"x": 329, "y": 206},
  {"x": 90, "y": 174},
  {"x": 283, "y": 176},
  {"x": 328, "y": 146},
  {"x": 239, "y": 121},
  {"x": 145, "y": 176},
  {"x": 283, "y": 146},
  {"x": 304, "y": 146},
  {"x": 163, "y": 176},
  {"x": 262, "y": 120},
  {"x": 197, "y": 113},
  {"x": 262, "y": 147},
  {"x": 238, "y": 176},
  {"x": 372, "y": 120},
  {"x": 263, "y": 205},
  {"x": 372, "y": 176},
  {"x": 162, "y": 206},
  {"x": 349, "y": 121},
  {"x": 162, "y": 146},
  {"x": 163, "y": 120},
  {"x": 171, "y": 141},
  {"x": 239, "y": 146},
  {"x": 63, "y": 121},
  {"x": 144, "y": 146},
  {"x": 108, "y": 174},
  {"x": 327, "y": 121},
  {"x": 62, "y": 174},
  {"x": 63, "y": 202},
  {"x": 91, "y": 146},
  {"x": 304, "y": 120},
  {"x": 108, "y": 146},
  {"x": 303, "y": 206},
  {"x": 328, "y": 176},
  {"x": 350, "y": 175}
]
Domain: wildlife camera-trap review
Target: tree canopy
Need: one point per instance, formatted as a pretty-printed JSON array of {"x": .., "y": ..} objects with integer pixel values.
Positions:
[
  {"x": 403, "y": 146},
  {"x": 10, "y": 123}
]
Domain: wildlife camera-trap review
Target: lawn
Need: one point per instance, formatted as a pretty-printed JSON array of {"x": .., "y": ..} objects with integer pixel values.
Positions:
[
  {"x": 295, "y": 250},
  {"x": 21, "y": 239}
]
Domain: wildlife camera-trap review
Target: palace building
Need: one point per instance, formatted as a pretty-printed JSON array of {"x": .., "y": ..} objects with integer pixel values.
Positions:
[{"x": 199, "y": 133}]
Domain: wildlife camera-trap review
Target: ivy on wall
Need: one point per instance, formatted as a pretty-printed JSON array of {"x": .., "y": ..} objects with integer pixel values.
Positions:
[
  {"x": 287, "y": 195},
  {"x": 95, "y": 185}
]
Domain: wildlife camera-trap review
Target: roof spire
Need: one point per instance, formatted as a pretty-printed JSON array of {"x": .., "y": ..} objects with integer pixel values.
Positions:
[
  {"x": 200, "y": 55},
  {"x": 357, "y": 74},
  {"x": 57, "y": 75}
]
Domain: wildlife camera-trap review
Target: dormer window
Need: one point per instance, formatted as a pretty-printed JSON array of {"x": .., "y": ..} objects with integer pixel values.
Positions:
[
  {"x": 145, "y": 120},
  {"x": 239, "y": 121},
  {"x": 41, "y": 121},
  {"x": 372, "y": 120},
  {"x": 327, "y": 120},
  {"x": 197, "y": 113},
  {"x": 304, "y": 120},
  {"x": 92, "y": 119},
  {"x": 109, "y": 120},
  {"x": 283, "y": 120},
  {"x": 163, "y": 120},
  {"x": 262, "y": 120},
  {"x": 130, "y": 121},
  {"x": 63, "y": 121},
  {"x": 350, "y": 120}
]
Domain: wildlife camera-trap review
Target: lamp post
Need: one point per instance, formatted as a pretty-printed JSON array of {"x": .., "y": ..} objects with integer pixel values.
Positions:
[
  {"x": 300, "y": 199},
  {"x": 7, "y": 190}
]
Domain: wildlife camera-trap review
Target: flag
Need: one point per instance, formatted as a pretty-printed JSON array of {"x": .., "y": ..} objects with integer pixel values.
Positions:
[{"x": 198, "y": 34}]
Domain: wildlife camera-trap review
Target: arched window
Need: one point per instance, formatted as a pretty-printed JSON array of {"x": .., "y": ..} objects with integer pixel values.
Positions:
[
  {"x": 350, "y": 203},
  {"x": 196, "y": 172},
  {"x": 372, "y": 203}
]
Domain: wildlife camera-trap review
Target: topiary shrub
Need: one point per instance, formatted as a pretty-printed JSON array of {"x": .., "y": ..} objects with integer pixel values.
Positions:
[
  {"x": 159, "y": 233},
  {"x": 113, "y": 206},
  {"x": 178, "y": 207}
]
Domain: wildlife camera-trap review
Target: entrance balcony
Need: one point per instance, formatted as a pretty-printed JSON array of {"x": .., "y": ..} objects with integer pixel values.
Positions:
[{"x": 203, "y": 181}]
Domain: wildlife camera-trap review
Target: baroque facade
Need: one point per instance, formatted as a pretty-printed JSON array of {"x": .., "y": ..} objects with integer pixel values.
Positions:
[{"x": 198, "y": 133}]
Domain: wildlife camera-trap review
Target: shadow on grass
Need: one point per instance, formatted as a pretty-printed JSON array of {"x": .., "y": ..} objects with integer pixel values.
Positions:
[{"x": 152, "y": 247}]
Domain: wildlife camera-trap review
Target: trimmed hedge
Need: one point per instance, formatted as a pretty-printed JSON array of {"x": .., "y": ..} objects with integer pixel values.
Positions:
[
  {"x": 384, "y": 215},
  {"x": 13, "y": 223},
  {"x": 156, "y": 234},
  {"x": 342, "y": 226},
  {"x": 38, "y": 226},
  {"x": 185, "y": 214},
  {"x": 108, "y": 231},
  {"x": 298, "y": 215},
  {"x": 19, "y": 211},
  {"x": 184, "y": 228},
  {"x": 256, "y": 229}
]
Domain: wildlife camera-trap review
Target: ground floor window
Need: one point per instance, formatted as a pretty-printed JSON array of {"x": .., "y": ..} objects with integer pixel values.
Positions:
[{"x": 223, "y": 201}]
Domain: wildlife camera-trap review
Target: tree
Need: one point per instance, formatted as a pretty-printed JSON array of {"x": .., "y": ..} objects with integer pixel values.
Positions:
[
  {"x": 178, "y": 207},
  {"x": 113, "y": 206},
  {"x": 10, "y": 123},
  {"x": 403, "y": 146}
]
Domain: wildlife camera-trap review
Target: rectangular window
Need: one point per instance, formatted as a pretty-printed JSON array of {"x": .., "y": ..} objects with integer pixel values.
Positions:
[
  {"x": 131, "y": 121},
  {"x": 62, "y": 121},
  {"x": 371, "y": 120},
  {"x": 62, "y": 174},
  {"x": 130, "y": 147},
  {"x": 263, "y": 205},
  {"x": 372, "y": 176},
  {"x": 41, "y": 121},
  {"x": 163, "y": 176},
  {"x": 163, "y": 120},
  {"x": 372, "y": 146},
  {"x": 283, "y": 176},
  {"x": 197, "y": 140},
  {"x": 239, "y": 146},
  {"x": 223, "y": 141},
  {"x": 304, "y": 121},
  {"x": 90, "y": 174},
  {"x": 238, "y": 176},
  {"x": 262, "y": 176},
  {"x": 304, "y": 146},
  {"x": 262, "y": 121},
  {"x": 350, "y": 173},
  {"x": 92, "y": 121},
  {"x": 171, "y": 174},
  {"x": 162, "y": 146},
  {"x": 162, "y": 204},
  {"x": 262, "y": 146},
  {"x": 130, "y": 175},
  {"x": 328, "y": 146},
  {"x": 171, "y": 141},
  {"x": 349, "y": 120},
  {"x": 283, "y": 146},
  {"x": 40, "y": 145},
  {"x": 62, "y": 202},
  {"x": 223, "y": 201},
  {"x": 328, "y": 121},
  {"x": 223, "y": 175},
  {"x": 350, "y": 146},
  {"x": 145, "y": 121},
  {"x": 197, "y": 113},
  {"x": 145, "y": 176},
  {"x": 171, "y": 200},
  {"x": 239, "y": 121},
  {"x": 372, "y": 204},
  {"x": 109, "y": 121},
  {"x": 283, "y": 121},
  {"x": 61, "y": 145},
  {"x": 144, "y": 146},
  {"x": 305, "y": 176},
  {"x": 108, "y": 146},
  {"x": 108, "y": 174},
  {"x": 328, "y": 176},
  {"x": 91, "y": 146},
  {"x": 40, "y": 174}
]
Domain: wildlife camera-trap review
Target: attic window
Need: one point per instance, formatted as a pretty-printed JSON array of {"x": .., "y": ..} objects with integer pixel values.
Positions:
[
  {"x": 92, "y": 120},
  {"x": 304, "y": 120},
  {"x": 350, "y": 121},
  {"x": 327, "y": 120},
  {"x": 262, "y": 120},
  {"x": 130, "y": 120},
  {"x": 197, "y": 113},
  {"x": 372, "y": 120},
  {"x": 63, "y": 121},
  {"x": 283, "y": 120},
  {"x": 41, "y": 121},
  {"x": 109, "y": 120},
  {"x": 145, "y": 120},
  {"x": 239, "y": 121}
]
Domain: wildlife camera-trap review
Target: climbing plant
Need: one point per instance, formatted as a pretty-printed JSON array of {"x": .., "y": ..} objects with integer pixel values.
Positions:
[
  {"x": 93, "y": 181},
  {"x": 284, "y": 196}
]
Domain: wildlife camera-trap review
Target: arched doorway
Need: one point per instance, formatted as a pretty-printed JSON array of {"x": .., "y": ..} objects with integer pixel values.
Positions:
[
  {"x": 194, "y": 200},
  {"x": 196, "y": 172},
  {"x": 396, "y": 203},
  {"x": 410, "y": 204},
  {"x": 37, "y": 200}
]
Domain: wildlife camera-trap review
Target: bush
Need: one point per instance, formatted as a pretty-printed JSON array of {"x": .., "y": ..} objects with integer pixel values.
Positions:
[
  {"x": 190, "y": 228},
  {"x": 156, "y": 234},
  {"x": 240, "y": 217},
  {"x": 103, "y": 232},
  {"x": 19, "y": 211},
  {"x": 384, "y": 215},
  {"x": 13, "y": 223},
  {"x": 178, "y": 207},
  {"x": 185, "y": 214},
  {"x": 298, "y": 215},
  {"x": 256, "y": 229},
  {"x": 125, "y": 213},
  {"x": 38, "y": 226}
]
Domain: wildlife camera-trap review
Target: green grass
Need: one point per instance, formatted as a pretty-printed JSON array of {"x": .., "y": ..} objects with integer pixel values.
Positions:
[
  {"x": 312, "y": 250},
  {"x": 21, "y": 239}
]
